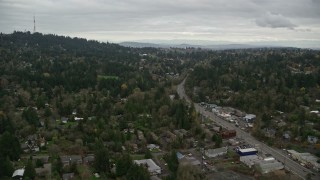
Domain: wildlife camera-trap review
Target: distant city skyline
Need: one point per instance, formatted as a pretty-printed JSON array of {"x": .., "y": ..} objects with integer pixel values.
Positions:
[{"x": 273, "y": 22}]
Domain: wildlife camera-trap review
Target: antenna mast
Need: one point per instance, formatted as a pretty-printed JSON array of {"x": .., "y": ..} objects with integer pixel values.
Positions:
[{"x": 34, "y": 24}]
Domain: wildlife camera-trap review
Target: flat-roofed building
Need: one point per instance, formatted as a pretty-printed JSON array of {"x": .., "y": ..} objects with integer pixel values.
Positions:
[
  {"x": 247, "y": 151},
  {"x": 211, "y": 153}
]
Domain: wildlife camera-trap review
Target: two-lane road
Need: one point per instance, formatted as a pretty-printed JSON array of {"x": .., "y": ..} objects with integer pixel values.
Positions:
[{"x": 290, "y": 164}]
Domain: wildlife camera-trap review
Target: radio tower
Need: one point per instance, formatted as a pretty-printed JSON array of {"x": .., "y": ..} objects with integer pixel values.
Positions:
[{"x": 34, "y": 24}]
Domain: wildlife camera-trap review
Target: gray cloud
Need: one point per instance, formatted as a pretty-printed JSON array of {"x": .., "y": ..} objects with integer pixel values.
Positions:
[
  {"x": 120, "y": 20},
  {"x": 275, "y": 21}
]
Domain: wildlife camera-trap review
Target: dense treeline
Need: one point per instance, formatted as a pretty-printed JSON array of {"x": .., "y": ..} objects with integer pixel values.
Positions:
[{"x": 264, "y": 82}]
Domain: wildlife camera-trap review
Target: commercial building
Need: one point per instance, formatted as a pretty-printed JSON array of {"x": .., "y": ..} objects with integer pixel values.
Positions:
[
  {"x": 307, "y": 159},
  {"x": 269, "y": 166},
  {"x": 247, "y": 151},
  {"x": 249, "y": 160},
  {"x": 228, "y": 134},
  {"x": 265, "y": 165},
  {"x": 211, "y": 153}
]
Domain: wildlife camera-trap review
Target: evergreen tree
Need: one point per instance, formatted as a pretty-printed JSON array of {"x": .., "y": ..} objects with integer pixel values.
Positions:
[
  {"x": 218, "y": 142},
  {"x": 148, "y": 154},
  {"x": 123, "y": 164},
  {"x": 6, "y": 168},
  {"x": 30, "y": 171},
  {"x": 9, "y": 146},
  {"x": 172, "y": 161},
  {"x": 31, "y": 116},
  {"x": 101, "y": 160},
  {"x": 136, "y": 172}
]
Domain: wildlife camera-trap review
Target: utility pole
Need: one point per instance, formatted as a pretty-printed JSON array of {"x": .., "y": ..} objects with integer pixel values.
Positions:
[{"x": 202, "y": 155}]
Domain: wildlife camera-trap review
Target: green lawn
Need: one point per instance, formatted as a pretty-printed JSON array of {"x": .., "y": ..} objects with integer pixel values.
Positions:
[
  {"x": 107, "y": 77},
  {"x": 71, "y": 123},
  {"x": 137, "y": 156}
]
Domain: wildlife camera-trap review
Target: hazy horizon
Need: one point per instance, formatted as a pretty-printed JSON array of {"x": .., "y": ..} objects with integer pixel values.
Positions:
[{"x": 279, "y": 22}]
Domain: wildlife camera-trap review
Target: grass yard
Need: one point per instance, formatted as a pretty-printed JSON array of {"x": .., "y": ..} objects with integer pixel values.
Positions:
[
  {"x": 137, "y": 156},
  {"x": 107, "y": 77}
]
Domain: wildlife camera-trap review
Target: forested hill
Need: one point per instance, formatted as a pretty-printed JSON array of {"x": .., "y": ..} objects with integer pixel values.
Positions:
[
  {"x": 49, "y": 61},
  {"x": 50, "y": 44}
]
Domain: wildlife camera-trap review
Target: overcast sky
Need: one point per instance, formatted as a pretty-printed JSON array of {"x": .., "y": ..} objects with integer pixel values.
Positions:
[{"x": 236, "y": 21}]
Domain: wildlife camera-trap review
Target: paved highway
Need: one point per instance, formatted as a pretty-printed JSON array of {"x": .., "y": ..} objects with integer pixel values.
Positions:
[{"x": 280, "y": 155}]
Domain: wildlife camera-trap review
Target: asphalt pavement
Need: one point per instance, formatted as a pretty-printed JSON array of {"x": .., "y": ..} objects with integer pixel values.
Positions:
[{"x": 280, "y": 155}]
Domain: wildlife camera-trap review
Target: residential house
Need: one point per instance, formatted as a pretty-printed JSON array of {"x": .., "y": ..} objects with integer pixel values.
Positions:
[
  {"x": 68, "y": 160},
  {"x": 179, "y": 155},
  {"x": 44, "y": 171},
  {"x": 24, "y": 147},
  {"x": 89, "y": 159},
  {"x": 154, "y": 136},
  {"x": 152, "y": 146},
  {"x": 186, "y": 160},
  {"x": 42, "y": 142},
  {"x": 281, "y": 123},
  {"x": 167, "y": 138},
  {"x": 312, "y": 139},
  {"x": 64, "y": 120},
  {"x": 32, "y": 138},
  {"x": 74, "y": 112},
  {"x": 172, "y": 96},
  {"x": 68, "y": 176},
  {"x": 152, "y": 167},
  {"x": 181, "y": 133},
  {"x": 43, "y": 158},
  {"x": 286, "y": 135},
  {"x": 134, "y": 147},
  {"x": 18, "y": 174},
  {"x": 140, "y": 135},
  {"x": 271, "y": 133},
  {"x": 216, "y": 128}
]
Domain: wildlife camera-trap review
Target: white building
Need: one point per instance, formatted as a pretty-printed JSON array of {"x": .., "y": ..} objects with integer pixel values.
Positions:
[
  {"x": 265, "y": 165},
  {"x": 249, "y": 160},
  {"x": 269, "y": 166},
  {"x": 152, "y": 167},
  {"x": 211, "y": 153},
  {"x": 18, "y": 173},
  {"x": 249, "y": 118},
  {"x": 152, "y": 146}
]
